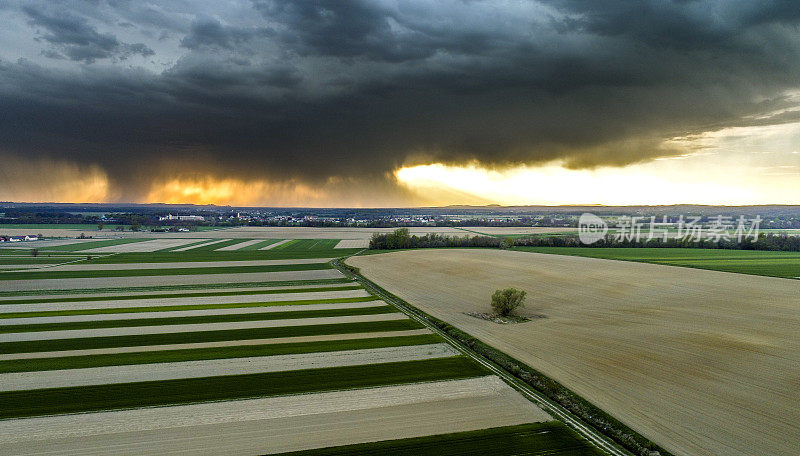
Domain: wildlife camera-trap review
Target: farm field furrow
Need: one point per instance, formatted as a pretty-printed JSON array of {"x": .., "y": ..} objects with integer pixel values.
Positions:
[
  {"x": 339, "y": 325},
  {"x": 191, "y": 390},
  {"x": 701, "y": 362},
  {"x": 168, "y": 307},
  {"x": 177, "y": 302},
  {"x": 200, "y": 345},
  {"x": 127, "y": 272},
  {"x": 184, "y": 264},
  {"x": 24, "y": 381},
  {"x": 377, "y": 307},
  {"x": 277, "y": 424},
  {"x": 95, "y": 317},
  {"x": 11, "y": 338},
  {"x": 166, "y": 280},
  {"x": 233, "y": 349},
  {"x": 238, "y": 348},
  {"x": 194, "y": 292}
]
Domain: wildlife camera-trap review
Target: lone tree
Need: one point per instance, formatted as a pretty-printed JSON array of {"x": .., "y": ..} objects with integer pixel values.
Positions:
[{"x": 507, "y": 300}]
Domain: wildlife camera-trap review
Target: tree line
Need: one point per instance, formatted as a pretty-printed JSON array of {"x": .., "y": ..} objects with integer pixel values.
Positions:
[{"x": 402, "y": 239}]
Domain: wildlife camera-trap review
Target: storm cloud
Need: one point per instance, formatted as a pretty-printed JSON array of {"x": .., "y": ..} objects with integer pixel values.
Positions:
[{"x": 332, "y": 89}]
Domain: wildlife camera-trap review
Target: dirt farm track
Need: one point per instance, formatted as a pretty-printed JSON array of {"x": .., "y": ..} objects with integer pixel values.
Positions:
[{"x": 701, "y": 362}]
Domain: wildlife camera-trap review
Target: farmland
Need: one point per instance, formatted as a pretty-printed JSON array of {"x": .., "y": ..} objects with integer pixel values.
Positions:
[
  {"x": 700, "y": 362},
  {"x": 766, "y": 263},
  {"x": 232, "y": 346}
]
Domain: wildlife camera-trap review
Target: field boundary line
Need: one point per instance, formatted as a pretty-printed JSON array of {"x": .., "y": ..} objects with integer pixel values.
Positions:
[{"x": 594, "y": 436}]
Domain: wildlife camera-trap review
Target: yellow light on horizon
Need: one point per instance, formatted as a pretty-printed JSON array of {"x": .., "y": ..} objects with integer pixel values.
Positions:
[{"x": 555, "y": 185}]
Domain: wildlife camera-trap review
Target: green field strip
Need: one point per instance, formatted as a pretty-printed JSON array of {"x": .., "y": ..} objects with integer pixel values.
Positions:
[
  {"x": 285, "y": 245},
  {"x": 273, "y": 283},
  {"x": 40, "y": 275},
  {"x": 551, "y": 438},
  {"x": 197, "y": 319},
  {"x": 754, "y": 262},
  {"x": 212, "y": 247},
  {"x": 176, "y": 295},
  {"x": 206, "y": 336},
  {"x": 226, "y": 305},
  {"x": 6, "y": 252},
  {"x": 259, "y": 245},
  {"x": 80, "y": 245},
  {"x": 37, "y": 260},
  {"x": 14, "y": 404},
  {"x": 237, "y": 351}
]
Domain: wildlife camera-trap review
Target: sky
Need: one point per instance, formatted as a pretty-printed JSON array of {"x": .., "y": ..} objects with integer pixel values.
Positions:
[{"x": 334, "y": 103}]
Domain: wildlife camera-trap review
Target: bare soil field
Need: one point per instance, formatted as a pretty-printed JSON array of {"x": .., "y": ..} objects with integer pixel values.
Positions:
[
  {"x": 225, "y": 343},
  {"x": 352, "y": 244},
  {"x": 277, "y": 424},
  {"x": 151, "y": 281},
  {"x": 701, "y": 362},
  {"x": 168, "y": 329},
  {"x": 21, "y": 381}
]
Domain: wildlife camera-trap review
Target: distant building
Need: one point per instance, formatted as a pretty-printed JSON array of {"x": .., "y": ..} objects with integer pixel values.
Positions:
[{"x": 183, "y": 218}]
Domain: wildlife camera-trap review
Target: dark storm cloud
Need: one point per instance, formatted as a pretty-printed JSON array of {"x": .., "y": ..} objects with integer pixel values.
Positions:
[
  {"x": 313, "y": 89},
  {"x": 209, "y": 33},
  {"x": 78, "y": 40}
]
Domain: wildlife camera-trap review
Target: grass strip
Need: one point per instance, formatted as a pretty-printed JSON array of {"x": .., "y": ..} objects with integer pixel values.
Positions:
[
  {"x": 241, "y": 351},
  {"x": 84, "y": 343},
  {"x": 14, "y": 404},
  {"x": 38, "y": 275},
  {"x": 33, "y": 260},
  {"x": 197, "y": 286},
  {"x": 177, "y": 295},
  {"x": 80, "y": 245},
  {"x": 196, "y": 319},
  {"x": 753, "y": 262},
  {"x": 226, "y": 305},
  {"x": 551, "y": 438}
]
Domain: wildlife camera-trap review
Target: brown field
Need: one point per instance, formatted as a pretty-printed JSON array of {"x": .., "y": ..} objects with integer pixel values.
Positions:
[
  {"x": 701, "y": 362},
  {"x": 276, "y": 424}
]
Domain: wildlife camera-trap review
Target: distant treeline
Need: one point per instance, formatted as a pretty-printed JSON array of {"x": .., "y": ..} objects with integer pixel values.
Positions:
[{"x": 401, "y": 239}]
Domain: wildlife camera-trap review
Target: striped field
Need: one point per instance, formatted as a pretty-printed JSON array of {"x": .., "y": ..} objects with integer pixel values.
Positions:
[{"x": 229, "y": 344}]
